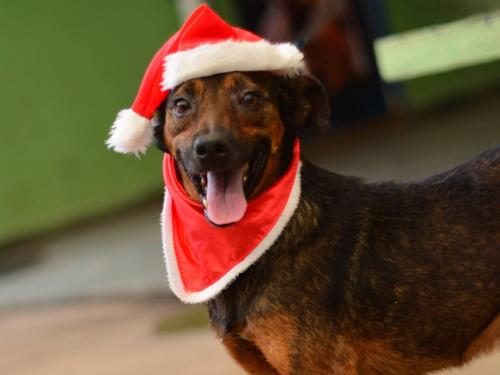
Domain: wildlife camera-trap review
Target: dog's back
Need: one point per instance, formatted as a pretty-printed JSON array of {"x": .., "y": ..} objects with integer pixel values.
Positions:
[{"x": 430, "y": 272}]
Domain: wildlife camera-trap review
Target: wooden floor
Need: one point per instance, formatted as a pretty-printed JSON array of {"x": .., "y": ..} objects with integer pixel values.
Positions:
[{"x": 108, "y": 338}]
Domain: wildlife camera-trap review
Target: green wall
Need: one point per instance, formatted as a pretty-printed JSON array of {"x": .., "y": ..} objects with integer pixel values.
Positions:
[
  {"x": 66, "y": 68},
  {"x": 425, "y": 92}
]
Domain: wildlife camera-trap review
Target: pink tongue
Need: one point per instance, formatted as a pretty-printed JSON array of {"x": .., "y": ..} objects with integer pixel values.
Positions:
[{"x": 225, "y": 197}]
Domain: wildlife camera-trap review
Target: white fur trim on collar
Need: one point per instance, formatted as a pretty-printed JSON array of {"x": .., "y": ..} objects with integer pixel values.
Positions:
[
  {"x": 231, "y": 56},
  {"x": 213, "y": 290}
]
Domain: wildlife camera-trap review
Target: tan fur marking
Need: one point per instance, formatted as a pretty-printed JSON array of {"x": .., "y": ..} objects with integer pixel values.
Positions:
[
  {"x": 378, "y": 358},
  {"x": 248, "y": 355},
  {"x": 272, "y": 336},
  {"x": 487, "y": 341}
]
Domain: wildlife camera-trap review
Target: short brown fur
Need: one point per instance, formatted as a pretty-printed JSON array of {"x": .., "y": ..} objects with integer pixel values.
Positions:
[{"x": 366, "y": 278}]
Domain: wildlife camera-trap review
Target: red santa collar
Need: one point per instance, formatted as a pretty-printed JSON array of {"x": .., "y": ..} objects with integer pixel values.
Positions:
[{"x": 202, "y": 259}]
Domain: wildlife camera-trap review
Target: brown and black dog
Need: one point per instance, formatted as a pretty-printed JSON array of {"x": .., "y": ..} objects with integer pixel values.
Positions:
[{"x": 378, "y": 278}]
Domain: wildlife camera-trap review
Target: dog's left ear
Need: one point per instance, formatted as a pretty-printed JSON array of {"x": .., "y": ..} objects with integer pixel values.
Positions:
[{"x": 306, "y": 105}]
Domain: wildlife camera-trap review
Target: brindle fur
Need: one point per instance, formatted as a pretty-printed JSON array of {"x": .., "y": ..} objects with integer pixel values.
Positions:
[{"x": 380, "y": 278}]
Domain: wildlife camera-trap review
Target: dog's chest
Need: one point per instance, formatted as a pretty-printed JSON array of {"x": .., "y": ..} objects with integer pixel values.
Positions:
[
  {"x": 268, "y": 328},
  {"x": 273, "y": 336},
  {"x": 270, "y": 336}
]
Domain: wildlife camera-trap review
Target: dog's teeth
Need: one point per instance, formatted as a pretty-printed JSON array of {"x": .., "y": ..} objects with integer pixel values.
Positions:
[
  {"x": 245, "y": 178},
  {"x": 205, "y": 203},
  {"x": 203, "y": 180}
]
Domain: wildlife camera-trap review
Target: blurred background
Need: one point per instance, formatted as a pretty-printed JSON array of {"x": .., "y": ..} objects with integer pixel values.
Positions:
[{"x": 414, "y": 87}]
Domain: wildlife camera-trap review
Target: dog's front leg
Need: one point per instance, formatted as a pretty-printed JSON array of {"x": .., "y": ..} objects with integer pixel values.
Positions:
[{"x": 248, "y": 355}]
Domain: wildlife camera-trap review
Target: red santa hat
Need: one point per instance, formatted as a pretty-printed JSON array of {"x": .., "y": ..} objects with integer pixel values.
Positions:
[{"x": 204, "y": 45}]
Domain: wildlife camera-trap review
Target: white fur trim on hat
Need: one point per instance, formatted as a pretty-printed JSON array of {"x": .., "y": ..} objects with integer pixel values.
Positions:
[
  {"x": 231, "y": 56},
  {"x": 130, "y": 133}
]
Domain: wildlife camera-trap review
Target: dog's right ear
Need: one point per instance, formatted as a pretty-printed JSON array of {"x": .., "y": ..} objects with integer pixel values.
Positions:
[
  {"x": 159, "y": 127},
  {"x": 306, "y": 104}
]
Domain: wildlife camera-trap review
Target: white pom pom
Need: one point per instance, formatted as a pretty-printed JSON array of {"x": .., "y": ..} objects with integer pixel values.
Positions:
[{"x": 130, "y": 133}]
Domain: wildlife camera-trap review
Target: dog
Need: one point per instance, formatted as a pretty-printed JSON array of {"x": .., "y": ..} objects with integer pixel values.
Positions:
[{"x": 366, "y": 278}]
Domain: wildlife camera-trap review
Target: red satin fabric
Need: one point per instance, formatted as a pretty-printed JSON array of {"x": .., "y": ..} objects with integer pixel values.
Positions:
[{"x": 205, "y": 253}]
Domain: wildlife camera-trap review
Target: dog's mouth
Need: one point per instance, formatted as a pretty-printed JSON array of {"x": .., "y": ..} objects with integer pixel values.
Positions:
[{"x": 224, "y": 193}]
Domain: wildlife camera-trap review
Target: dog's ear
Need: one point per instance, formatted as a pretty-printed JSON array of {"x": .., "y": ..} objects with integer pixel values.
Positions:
[
  {"x": 159, "y": 127},
  {"x": 306, "y": 104}
]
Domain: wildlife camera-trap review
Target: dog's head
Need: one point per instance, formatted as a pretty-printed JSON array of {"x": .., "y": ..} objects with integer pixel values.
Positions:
[{"x": 232, "y": 134}]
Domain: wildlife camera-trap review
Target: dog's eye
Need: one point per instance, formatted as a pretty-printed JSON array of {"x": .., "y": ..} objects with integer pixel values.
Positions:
[
  {"x": 181, "y": 106},
  {"x": 250, "y": 99}
]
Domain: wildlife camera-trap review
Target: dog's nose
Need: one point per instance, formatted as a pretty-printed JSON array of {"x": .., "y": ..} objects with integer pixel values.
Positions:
[{"x": 211, "y": 147}]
